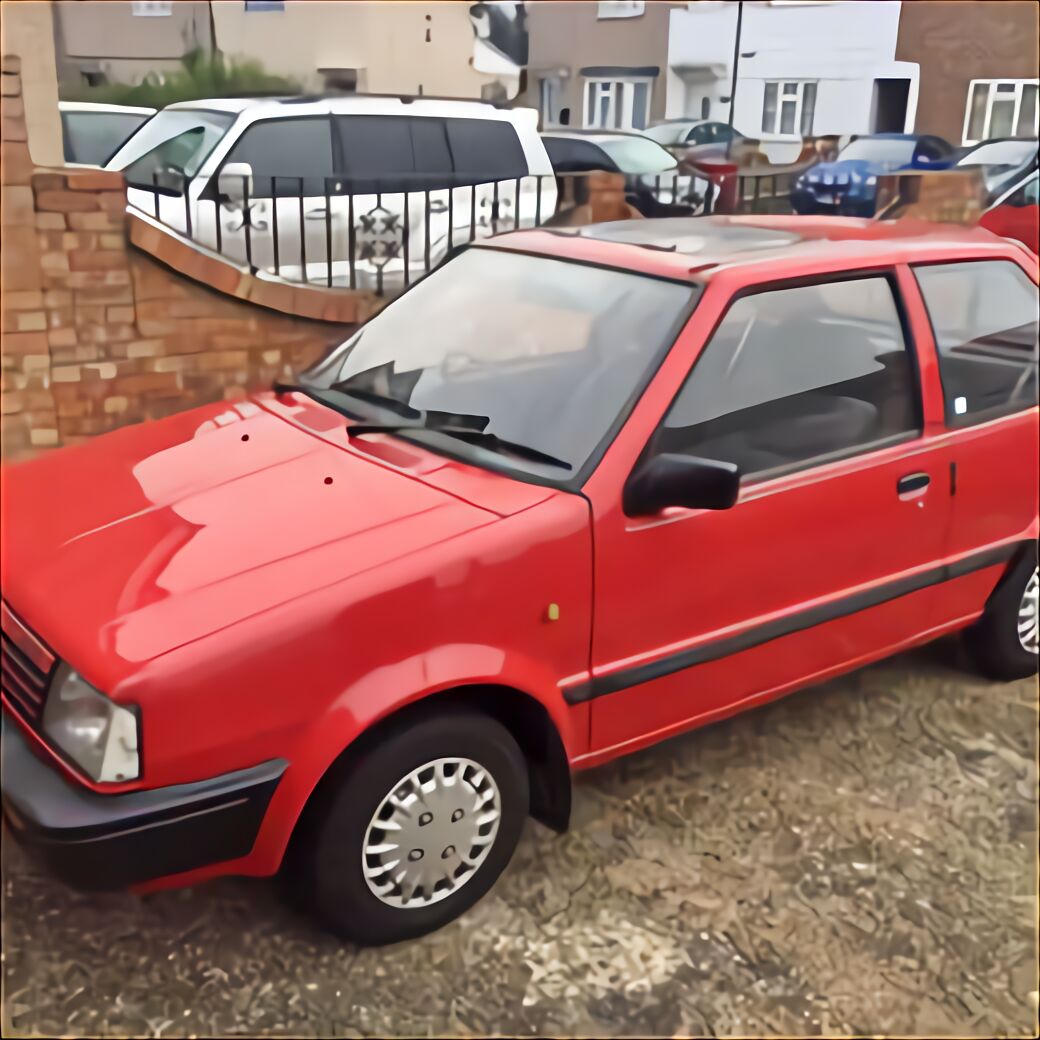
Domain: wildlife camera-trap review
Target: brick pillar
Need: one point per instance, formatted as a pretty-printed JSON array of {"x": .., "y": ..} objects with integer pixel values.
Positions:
[{"x": 27, "y": 414}]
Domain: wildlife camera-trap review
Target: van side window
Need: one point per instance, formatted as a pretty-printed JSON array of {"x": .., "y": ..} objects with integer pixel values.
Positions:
[
  {"x": 984, "y": 316},
  {"x": 286, "y": 149},
  {"x": 485, "y": 150},
  {"x": 797, "y": 375}
]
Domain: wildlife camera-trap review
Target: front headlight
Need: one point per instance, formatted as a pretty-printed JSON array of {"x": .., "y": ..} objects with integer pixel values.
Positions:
[{"x": 96, "y": 733}]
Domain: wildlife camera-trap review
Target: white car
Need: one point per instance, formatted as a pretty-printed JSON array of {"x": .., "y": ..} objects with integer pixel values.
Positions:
[
  {"x": 365, "y": 191},
  {"x": 93, "y": 132}
]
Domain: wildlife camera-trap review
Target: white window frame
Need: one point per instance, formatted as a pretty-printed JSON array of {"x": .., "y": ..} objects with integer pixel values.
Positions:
[
  {"x": 621, "y": 98},
  {"x": 620, "y": 9},
  {"x": 1019, "y": 85},
  {"x": 152, "y": 8},
  {"x": 783, "y": 95}
]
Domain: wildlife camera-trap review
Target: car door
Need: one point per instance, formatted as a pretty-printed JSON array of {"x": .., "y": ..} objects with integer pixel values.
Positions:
[
  {"x": 824, "y": 561},
  {"x": 983, "y": 316},
  {"x": 291, "y": 221}
]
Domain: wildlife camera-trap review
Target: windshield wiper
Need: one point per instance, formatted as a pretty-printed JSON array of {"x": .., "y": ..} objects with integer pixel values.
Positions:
[
  {"x": 332, "y": 397},
  {"x": 464, "y": 433}
]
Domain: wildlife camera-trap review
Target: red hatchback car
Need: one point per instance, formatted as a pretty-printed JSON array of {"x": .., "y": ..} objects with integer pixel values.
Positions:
[{"x": 573, "y": 493}]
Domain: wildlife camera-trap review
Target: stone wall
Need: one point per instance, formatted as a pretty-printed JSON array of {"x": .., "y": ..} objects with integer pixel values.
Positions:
[{"x": 98, "y": 334}]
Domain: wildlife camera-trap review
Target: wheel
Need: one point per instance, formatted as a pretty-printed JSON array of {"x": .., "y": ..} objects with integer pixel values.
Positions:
[
  {"x": 1004, "y": 640},
  {"x": 413, "y": 830}
]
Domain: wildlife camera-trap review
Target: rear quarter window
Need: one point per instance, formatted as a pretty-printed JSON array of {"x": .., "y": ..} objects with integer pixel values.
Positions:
[
  {"x": 485, "y": 150},
  {"x": 984, "y": 317}
]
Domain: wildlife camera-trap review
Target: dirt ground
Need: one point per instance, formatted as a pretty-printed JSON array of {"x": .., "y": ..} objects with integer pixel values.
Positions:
[{"x": 857, "y": 858}]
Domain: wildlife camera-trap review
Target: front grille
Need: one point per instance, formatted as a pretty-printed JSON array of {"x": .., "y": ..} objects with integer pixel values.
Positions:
[{"x": 26, "y": 665}]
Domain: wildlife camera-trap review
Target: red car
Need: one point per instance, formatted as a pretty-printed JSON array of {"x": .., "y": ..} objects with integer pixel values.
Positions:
[{"x": 571, "y": 494}]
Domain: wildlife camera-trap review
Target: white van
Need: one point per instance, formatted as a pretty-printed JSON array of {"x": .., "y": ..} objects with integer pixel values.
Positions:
[{"x": 366, "y": 191}]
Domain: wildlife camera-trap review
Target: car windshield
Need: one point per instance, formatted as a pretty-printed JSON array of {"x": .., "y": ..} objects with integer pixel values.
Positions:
[
  {"x": 92, "y": 137},
  {"x": 1000, "y": 153},
  {"x": 177, "y": 139},
  {"x": 888, "y": 151},
  {"x": 667, "y": 133},
  {"x": 550, "y": 353},
  {"x": 637, "y": 154}
]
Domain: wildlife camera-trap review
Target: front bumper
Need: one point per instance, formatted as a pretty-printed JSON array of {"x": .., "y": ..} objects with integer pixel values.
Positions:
[{"x": 102, "y": 842}]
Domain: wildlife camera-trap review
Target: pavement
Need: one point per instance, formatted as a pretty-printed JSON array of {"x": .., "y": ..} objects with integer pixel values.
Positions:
[{"x": 860, "y": 857}]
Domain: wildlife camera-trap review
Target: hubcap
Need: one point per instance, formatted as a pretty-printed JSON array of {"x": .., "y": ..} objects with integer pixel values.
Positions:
[
  {"x": 1029, "y": 616},
  {"x": 431, "y": 833}
]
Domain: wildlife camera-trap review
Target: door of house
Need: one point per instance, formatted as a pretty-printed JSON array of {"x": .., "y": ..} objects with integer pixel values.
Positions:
[{"x": 890, "y": 100}]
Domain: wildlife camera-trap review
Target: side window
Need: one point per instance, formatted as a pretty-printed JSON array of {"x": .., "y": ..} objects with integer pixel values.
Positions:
[
  {"x": 377, "y": 149},
  {"x": 794, "y": 375},
  {"x": 280, "y": 151},
  {"x": 1028, "y": 194},
  {"x": 432, "y": 156},
  {"x": 572, "y": 156},
  {"x": 485, "y": 150},
  {"x": 984, "y": 315}
]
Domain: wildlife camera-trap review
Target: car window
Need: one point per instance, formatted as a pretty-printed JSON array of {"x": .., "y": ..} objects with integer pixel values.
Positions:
[
  {"x": 377, "y": 149},
  {"x": 984, "y": 315},
  {"x": 701, "y": 134},
  {"x": 550, "y": 353},
  {"x": 93, "y": 137},
  {"x": 1028, "y": 194},
  {"x": 637, "y": 155},
  {"x": 175, "y": 139},
  {"x": 667, "y": 133},
  {"x": 888, "y": 151},
  {"x": 797, "y": 374},
  {"x": 571, "y": 155},
  {"x": 282, "y": 151},
  {"x": 930, "y": 149},
  {"x": 485, "y": 150}
]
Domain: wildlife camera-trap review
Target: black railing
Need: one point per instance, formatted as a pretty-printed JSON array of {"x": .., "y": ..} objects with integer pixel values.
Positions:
[{"x": 380, "y": 235}]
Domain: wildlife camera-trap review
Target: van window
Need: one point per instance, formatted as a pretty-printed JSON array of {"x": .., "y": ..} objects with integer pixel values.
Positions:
[
  {"x": 799, "y": 374},
  {"x": 174, "y": 141},
  {"x": 984, "y": 316},
  {"x": 485, "y": 150},
  {"x": 92, "y": 137},
  {"x": 281, "y": 151}
]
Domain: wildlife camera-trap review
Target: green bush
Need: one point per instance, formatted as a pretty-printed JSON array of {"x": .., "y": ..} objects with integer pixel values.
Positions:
[{"x": 204, "y": 76}]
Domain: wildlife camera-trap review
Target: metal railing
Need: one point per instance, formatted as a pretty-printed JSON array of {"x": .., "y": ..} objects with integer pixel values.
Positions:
[
  {"x": 378, "y": 235},
  {"x": 381, "y": 235}
]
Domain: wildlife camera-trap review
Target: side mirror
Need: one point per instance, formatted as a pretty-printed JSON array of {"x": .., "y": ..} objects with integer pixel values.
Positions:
[
  {"x": 234, "y": 181},
  {"x": 680, "y": 480}
]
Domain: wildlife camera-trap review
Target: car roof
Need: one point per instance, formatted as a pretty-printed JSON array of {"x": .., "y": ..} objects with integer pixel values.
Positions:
[
  {"x": 96, "y": 106},
  {"x": 425, "y": 105},
  {"x": 696, "y": 248},
  {"x": 592, "y": 135}
]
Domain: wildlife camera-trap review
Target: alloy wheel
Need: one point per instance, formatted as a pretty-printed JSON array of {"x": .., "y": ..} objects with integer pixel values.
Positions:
[{"x": 1029, "y": 615}]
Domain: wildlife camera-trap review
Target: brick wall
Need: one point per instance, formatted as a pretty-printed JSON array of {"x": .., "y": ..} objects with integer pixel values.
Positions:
[{"x": 96, "y": 333}]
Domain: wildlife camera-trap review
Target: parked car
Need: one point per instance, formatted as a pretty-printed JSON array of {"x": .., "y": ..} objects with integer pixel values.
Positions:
[
  {"x": 1016, "y": 213},
  {"x": 690, "y": 133},
  {"x": 656, "y": 183},
  {"x": 380, "y": 181},
  {"x": 573, "y": 493},
  {"x": 1005, "y": 162},
  {"x": 92, "y": 132},
  {"x": 849, "y": 184}
]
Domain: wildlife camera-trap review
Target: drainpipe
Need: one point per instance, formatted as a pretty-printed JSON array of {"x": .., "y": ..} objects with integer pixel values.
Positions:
[{"x": 736, "y": 62}]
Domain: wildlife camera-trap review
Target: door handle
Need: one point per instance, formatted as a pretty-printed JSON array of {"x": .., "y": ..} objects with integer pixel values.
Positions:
[
  {"x": 319, "y": 213},
  {"x": 438, "y": 207},
  {"x": 912, "y": 482}
]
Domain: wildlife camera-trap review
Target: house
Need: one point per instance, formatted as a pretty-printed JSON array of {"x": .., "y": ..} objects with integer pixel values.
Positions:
[
  {"x": 449, "y": 49},
  {"x": 597, "y": 65},
  {"x": 114, "y": 41},
  {"x": 978, "y": 66},
  {"x": 804, "y": 68}
]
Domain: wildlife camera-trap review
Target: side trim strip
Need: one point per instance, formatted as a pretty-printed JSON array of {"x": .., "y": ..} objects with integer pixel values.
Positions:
[{"x": 622, "y": 680}]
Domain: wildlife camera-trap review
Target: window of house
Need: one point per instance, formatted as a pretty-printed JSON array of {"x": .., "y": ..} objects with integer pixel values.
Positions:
[
  {"x": 788, "y": 107},
  {"x": 620, "y": 9},
  {"x": 1001, "y": 108},
  {"x": 281, "y": 151},
  {"x": 799, "y": 374},
  {"x": 984, "y": 316},
  {"x": 617, "y": 104},
  {"x": 151, "y": 8}
]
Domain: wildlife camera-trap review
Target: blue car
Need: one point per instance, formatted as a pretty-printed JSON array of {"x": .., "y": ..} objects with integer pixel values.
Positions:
[{"x": 848, "y": 185}]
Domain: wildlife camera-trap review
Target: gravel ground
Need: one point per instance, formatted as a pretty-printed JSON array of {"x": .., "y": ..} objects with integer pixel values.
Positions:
[{"x": 857, "y": 858}]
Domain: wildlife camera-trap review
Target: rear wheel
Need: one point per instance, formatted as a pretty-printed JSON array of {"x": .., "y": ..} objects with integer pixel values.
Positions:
[
  {"x": 414, "y": 830},
  {"x": 1004, "y": 642}
]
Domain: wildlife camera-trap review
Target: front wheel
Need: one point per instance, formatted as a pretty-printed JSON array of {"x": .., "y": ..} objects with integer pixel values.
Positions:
[
  {"x": 415, "y": 829},
  {"x": 1004, "y": 641}
]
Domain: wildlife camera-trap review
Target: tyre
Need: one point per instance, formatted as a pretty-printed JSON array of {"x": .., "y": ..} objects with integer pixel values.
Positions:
[
  {"x": 411, "y": 831},
  {"x": 1003, "y": 641}
]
